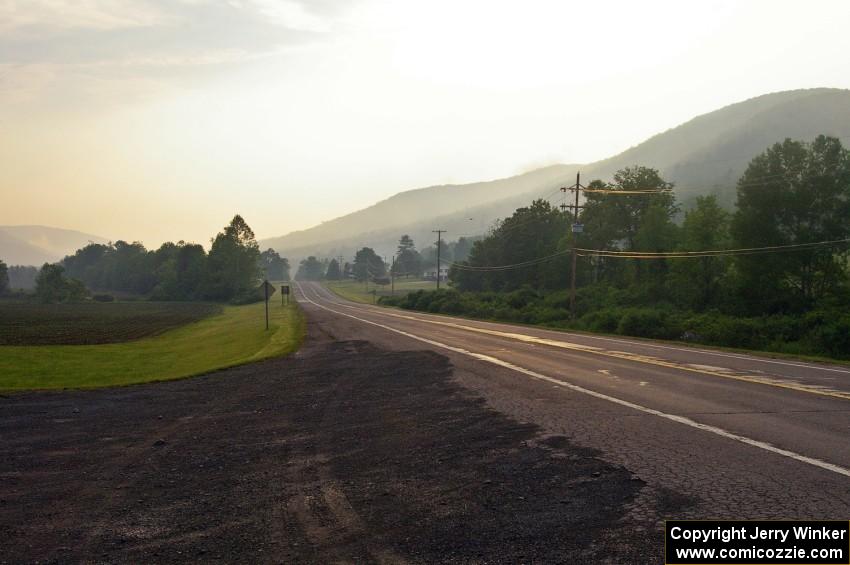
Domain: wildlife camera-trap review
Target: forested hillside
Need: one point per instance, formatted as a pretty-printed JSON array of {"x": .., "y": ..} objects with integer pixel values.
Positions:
[
  {"x": 774, "y": 273},
  {"x": 703, "y": 156}
]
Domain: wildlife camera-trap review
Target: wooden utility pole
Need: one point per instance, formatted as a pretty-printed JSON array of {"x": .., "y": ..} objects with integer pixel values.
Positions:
[
  {"x": 266, "y": 291},
  {"x": 392, "y": 278},
  {"x": 439, "y": 243},
  {"x": 576, "y": 229}
]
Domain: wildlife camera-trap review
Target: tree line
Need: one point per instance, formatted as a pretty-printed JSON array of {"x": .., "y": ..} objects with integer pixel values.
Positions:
[
  {"x": 794, "y": 194},
  {"x": 230, "y": 272},
  {"x": 368, "y": 265}
]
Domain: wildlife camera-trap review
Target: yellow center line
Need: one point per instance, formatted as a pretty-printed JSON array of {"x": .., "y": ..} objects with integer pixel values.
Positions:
[{"x": 616, "y": 354}]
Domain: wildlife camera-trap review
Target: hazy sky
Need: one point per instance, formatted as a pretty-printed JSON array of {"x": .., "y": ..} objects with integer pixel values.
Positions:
[{"x": 159, "y": 119}]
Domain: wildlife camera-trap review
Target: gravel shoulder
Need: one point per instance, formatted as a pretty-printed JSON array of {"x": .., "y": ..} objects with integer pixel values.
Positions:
[{"x": 343, "y": 452}]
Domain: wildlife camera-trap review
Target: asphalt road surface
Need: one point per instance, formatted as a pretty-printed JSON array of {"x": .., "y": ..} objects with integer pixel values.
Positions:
[
  {"x": 399, "y": 437},
  {"x": 712, "y": 434}
]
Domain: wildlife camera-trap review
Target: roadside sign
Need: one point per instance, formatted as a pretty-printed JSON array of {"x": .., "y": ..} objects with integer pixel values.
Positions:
[
  {"x": 267, "y": 289},
  {"x": 578, "y": 228},
  {"x": 284, "y": 288}
]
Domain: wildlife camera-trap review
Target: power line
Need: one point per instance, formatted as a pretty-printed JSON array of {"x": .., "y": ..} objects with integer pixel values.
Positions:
[
  {"x": 652, "y": 255},
  {"x": 712, "y": 252},
  {"x": 465, "y": 267},
  {"x": 624, "y": 191}
]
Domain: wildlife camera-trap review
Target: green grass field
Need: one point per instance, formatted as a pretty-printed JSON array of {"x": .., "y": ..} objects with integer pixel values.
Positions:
[
  {"x": 235, "y": 336},
  {"x": 356, "y": 291}
]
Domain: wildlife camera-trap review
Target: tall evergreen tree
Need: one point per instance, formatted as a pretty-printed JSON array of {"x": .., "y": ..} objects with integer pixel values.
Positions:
[
  {"x": 333, "y": 273},
  {"x": 408, "y": 261}
]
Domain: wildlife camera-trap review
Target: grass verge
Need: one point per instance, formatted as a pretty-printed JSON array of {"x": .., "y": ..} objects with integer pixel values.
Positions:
[
  {"x": 356, "y": 291},
  {"x": 233, "y": 337}
]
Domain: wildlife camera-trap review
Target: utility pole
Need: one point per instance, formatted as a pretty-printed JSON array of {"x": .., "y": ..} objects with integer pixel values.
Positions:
[
  {"x": 392, "y": 278},
  {"x": 577, "y": 228},
  {"x": 266, "y": 292},
  {"x": 439, "y": 243}
]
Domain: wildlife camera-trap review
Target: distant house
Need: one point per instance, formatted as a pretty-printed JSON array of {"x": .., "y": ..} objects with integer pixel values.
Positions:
[{"x": 431, "y": 274}]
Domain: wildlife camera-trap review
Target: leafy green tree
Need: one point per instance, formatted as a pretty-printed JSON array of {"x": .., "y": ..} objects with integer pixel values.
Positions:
[
  {"x": 696, "y": 283},
  {"x": 408, "y": 261},
  {"x": 793, "y": 193},
  {"x": 333, "y": 273},
  {"x": 52, "y": 285},
  {"x": 310, "y": 269},
  {"x": 657, "y": 234},
  {"x": 405, "y": 243},
  {"x": 181, "y": 271},
  {"x": 274, "y": 267},
  {"x": 4, "y": 278},
  {"x": 121, "y": 266},
  {"x": 89, "y": 264},
  {"x": 368, "y": 265},
  {"x": 22, "y": 277},
  {"x": 132, "y": 268},
  {"x": 233, "y": 263},
  {"x": 531, "y": 233},
  {"x": 615, "y": 219},
  {"x": 460, "y": 249}
]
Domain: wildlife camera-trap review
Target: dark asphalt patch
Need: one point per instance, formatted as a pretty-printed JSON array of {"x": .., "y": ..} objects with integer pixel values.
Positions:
[{"x": 343, "y": 452}]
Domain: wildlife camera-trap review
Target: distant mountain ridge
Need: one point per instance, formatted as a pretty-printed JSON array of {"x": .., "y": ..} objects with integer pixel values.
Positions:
[
  {"x": 705, "y": 155},
  {"x": 412, "y": 205},
  {"x": 36, "y": 245}
]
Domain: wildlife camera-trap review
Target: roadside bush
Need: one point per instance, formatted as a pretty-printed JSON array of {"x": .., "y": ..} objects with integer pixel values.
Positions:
[
  {"x": 103, "y": 298},
  {"x": 829, "y": 332},
  {"x": 547, "y": 315},
  {"x": 522, "y": 297},
  {"x": 821, "y": 332},
  {"x": 391, "y": 300},
  {"x": 605, "y": 320},
  {"x": 597, "y": 297},
  {"x": 647, "y": 322},
  {"x": 559, "y": 300},
  {"x": 719, "y": 329}
]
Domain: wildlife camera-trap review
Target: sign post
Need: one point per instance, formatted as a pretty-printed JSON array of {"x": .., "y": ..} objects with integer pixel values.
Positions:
[{"x": 268, "y": 289}]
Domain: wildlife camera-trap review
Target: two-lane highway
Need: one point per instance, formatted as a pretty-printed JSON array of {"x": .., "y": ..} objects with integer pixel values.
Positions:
[{"x": 713, "y": 434}]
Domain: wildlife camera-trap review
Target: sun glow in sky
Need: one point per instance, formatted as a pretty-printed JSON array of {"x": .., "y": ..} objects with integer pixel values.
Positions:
[{"x": 158, "y": 120}]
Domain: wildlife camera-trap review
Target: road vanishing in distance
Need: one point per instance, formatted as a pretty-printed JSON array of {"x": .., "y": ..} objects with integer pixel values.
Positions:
[{"x": 712, "y": 434}]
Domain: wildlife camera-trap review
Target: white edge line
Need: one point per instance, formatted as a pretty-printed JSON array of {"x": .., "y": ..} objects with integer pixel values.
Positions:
[
  {"x": 743, "y": 357},
  {"x": 672, "y": 417}
]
